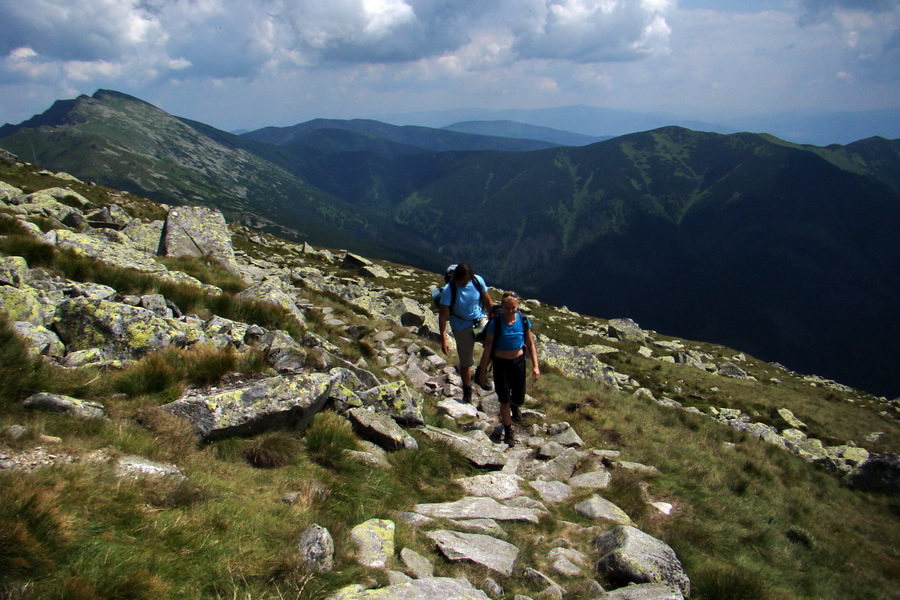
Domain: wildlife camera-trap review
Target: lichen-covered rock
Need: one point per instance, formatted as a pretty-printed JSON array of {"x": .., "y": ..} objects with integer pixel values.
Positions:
[
  {"x": 20, "y": 304},
  {"x": 397, "y": 400},
  {"x": 286, "y": 402},
  {"x": 316, "y": 549},
  {"x": 790, "y": 420},
  {"x": 284, "y": 353},
  {"x": 381, "y": 429},
  {"x": 578, "y": 362},
  {"x": 39, "y": 340},
  {"x": 83, "y": 409},
  {"x": 407, "y": 312},
  {"x": 477, "y": 508},
  {"x": 627, "y": 330},
  {"x": 417, "y": 565},
  {"x": 199, "y": 232},
  {"x": 13, "y": 271},
  {"x": 99, "y": 247},
  {"x": 628, "y": 555},
  {"x": 145, "y": 236},
  {"x": 880, "y": 473},
  {"x": 374, "y": 542},
  {"x": 272, "y": 294},
  {"x": 122, "y": 331}
]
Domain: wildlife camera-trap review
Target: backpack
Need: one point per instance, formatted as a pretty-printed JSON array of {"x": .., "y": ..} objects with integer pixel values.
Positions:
[{"x": 436, "y": 293}]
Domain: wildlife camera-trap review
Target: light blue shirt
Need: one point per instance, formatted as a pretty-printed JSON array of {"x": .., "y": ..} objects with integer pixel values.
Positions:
[{"x": 467, "y": 310}]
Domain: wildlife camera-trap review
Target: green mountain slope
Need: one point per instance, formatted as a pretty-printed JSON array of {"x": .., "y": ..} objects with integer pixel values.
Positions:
[
  {"x": 120, "y": 141},
  {"x": 513, "y": 129}
]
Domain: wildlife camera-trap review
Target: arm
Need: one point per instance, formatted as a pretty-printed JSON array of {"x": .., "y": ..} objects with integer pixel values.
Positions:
[
  {"x": 532, "y": 350},
  {"x": 442, "y": 324},
  {"x": 486, "y": 301}
]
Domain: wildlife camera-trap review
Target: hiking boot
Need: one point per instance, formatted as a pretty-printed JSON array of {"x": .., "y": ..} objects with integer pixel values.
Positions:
[
  {"x": 467, "y": 394},
  {"x": 508, "y": 437},
  {"x": 487, "y": 385},
  {"x": 516, "y": 413}
]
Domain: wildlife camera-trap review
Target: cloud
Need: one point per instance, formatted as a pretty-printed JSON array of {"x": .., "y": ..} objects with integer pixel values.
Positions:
[
  {"x": 818, "y": 11},
  {"x": 587, "y": 31}
]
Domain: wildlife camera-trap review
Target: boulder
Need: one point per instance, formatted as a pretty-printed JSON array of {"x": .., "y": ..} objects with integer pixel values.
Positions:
[
  {"x": 83, "y": 409},
  {"x": 644, "y": 591},
  {"x": 483, "y": 550},
  {"x": 354, "y": 261},
  {"x": 20, "y": 304},
  {"x": 407, "y": 312},
  {"x": 595, "y": 480},
  {"x": 374, "y": 543},
  {"x": 482, "y": 454},
  {"x": 417, "y": 566},
  {"x": 199, "y": 232},
  {"x": 272, "y": 294},
  {"x": 626, "y": 330},
  {"x": 790, "y": 420},
  {"x": 477, "y": 508},
  {"x": 577, "y": 362},
  {"x": 596, "y": 507},
  {"x": 880, "y": 473},
  {"x": 381, "y": 429},
  {"x": 145, "y": 236},
  {"x": 499, "y": 486},
  {"x": 285, "y": 402},
  {"x": 628, "y": 555},
  {"x": 122, "y": 331},
  {"x": 729, "y": 369},
  {"x": 552, "y": 491},
  {"x": 39, "y": 340},
  {"x": 417, "y": 589},
  {"x": 316, "y": 549},
  {"x": 14, "y": 271},
  {"x": 397, "y": 400}
]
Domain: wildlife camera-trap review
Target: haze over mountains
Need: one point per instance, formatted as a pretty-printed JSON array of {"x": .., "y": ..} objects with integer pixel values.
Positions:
[{"x": 788, "y": 252}]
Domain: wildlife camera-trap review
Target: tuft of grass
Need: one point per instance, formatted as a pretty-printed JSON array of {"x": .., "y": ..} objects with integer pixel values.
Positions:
[
  {"x": 326, "y": 439},
  {"x": 728, "y": 582},
  {"x": 160, "y": 373},
  {"x": 273, "y": 449},
  {"x": 33, "y": 529}
]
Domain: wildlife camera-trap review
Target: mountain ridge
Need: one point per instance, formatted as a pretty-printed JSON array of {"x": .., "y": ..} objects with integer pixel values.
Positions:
[{"x": 649, "y": 211}]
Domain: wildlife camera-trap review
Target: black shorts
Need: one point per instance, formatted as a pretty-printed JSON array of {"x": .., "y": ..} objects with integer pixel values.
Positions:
[{"x": 509, "y": 379}]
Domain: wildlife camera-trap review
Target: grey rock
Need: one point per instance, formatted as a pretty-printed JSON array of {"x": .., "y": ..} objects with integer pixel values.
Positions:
[
  {"x": 628, "y": 555},
  {"x": 483, "y": 550},
  {"x": 729, "y": 369},
  {"x": 595, "y": 480},
  {"x": 483, "y": 526},
  {"x": 138, "y": 466},
  {"x": 83, "y": 409},
  {"x": 431, "y": 588},
  {"x": 381, "y": 429},
  {"x": 626, "y": 330},
  {"x": 601, "y": 508},
  {"x": 316, "y": 549},
  {"x": 552, "y": 491},
  {"x": 568, "y": 438},
  {"x": 477, "y": 508},
  {"x": 199, "y": 232},
  {"x": 482, "y": 454},
  {"x": 284, "y": 402},
  {"x": 499, "y": 486},
  {"x": 790, "y": 420},
  {"x": 397, "y": 400},
  {"x": 880, "y": 473},
  {"x": 39, "y": 340},
  {"x": 417, "y": 566},
  {"x": 644, "y": 591}
]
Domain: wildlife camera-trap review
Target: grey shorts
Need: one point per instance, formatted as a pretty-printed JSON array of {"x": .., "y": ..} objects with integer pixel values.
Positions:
[{"x": 465, "y": 346}]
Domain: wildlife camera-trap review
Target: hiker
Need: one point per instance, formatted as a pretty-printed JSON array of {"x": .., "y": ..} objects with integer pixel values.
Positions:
[
  {"x": 508, "y": 337},
  {"x": 462, "y": 302}
]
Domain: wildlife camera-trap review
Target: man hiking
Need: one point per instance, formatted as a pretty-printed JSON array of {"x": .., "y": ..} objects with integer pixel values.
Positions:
[{"x": 463, "y": 302}]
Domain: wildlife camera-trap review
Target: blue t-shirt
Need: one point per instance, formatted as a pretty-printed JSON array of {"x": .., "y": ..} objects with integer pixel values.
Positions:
[
  {"x": 466, "y": 310},
  {"x": 509, "y": 337}
]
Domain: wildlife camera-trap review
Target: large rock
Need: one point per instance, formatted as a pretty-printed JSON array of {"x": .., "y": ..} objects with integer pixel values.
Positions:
[
  {"x": 407, "y": 312},
  {"x": 20, "y": 304},
  {"x": 477, "y": 508},
  {"x": 482, "y": 454},
  {"x": 579, "y": 363},
  {"x": 644, "y": 591},
  {"x": 14, "y": 271},
  {"x": 287, "y": 402},
  {"x": 418, "y": 589},
  {"x": 880, "y": 473},
  {"x": 39, "y": 340},
  {"x": 482, "y": 550},
  {"x": 83, "y": 409},
  {"x": 597, "y": 507},
  {"x": 499, "y": 486},
  {"x": 627, "y": 330},
  {"x": 374, "y": 542},
  {"x": 628, "y": 555},
  {"x": 397, "y": 400},
  {"x": 199, "y": 232},
  {"x": 381, "y": 429},
  {"x": 122, "y": 331},
  {"x": 316, "y": 549},
  {"x": 145, "y": 236},
  {"x": 272, "y": 294}
]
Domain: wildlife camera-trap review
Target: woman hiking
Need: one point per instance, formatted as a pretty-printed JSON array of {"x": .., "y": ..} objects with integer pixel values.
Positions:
[{"x": 508, "y": 337}]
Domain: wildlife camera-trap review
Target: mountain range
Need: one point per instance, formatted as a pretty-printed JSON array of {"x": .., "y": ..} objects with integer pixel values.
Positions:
[{"x": 786, "y": 251}]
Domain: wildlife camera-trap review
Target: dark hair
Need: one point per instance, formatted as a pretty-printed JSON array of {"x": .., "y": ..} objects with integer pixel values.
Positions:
[{"x": 462, "y": 271}]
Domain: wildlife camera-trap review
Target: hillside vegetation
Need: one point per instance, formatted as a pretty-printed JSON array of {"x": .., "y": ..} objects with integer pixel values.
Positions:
[{"x": 701, "y": 444}]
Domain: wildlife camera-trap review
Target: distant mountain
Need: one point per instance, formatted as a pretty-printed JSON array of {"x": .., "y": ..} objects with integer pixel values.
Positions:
[
  {"x": 421, "y": 137},
  {"x": 512, "y": 129},
  {"x": 788, "y": 252},
  {"x": 804, "y": 127}
]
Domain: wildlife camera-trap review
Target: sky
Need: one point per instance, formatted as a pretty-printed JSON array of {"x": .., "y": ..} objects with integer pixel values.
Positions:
[{"x": 246, "y": 64}]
